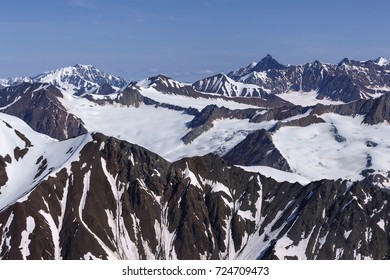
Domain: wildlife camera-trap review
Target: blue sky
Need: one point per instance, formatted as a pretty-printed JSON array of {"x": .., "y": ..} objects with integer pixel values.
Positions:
[{"x": 186, "y": 39}]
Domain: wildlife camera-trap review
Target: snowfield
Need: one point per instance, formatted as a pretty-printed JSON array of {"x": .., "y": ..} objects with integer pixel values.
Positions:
[
  {"x": 314, "y": 153},
  {"x": 277, "y": 175},
  {"x": 197, "y": 103},
  {"x": 306, "y": 98},
  {"x": 159, "y": 129},
  {"x": 43, "y": 157}
]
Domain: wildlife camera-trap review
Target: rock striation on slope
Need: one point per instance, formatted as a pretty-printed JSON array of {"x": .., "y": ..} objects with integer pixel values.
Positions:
[
  {"x": 39, "y": 106},
  {"x": 347, "y": 81},
  {"x": 116, "y": 200}
]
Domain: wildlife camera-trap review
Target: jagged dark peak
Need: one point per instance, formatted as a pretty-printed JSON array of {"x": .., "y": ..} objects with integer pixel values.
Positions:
[
  {"x": 316, "y": 63},
  {"x": 268, "y": 63},
  {"x": 265, "y": 64},
  {"x": 345, "y": 61}
]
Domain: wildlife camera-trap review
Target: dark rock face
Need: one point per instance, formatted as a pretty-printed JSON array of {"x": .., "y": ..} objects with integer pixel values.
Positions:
[
  {"x": 104, "y": 89},
  {"x": 120, "y": 201},
  {"x": 337, "y": 228},
  {"x": 257, "y": 149},
  {"x": 268, "y": 63},
  {"x": 38, "y": 105},
  {"x": 131, "y": 96},
  {"x": 126, "y": 202},
  {"x": 203, "y": 121},
  {"x": 348, "y": 81},
  {"x": 116, "y": 200},
  {"x": 375, "y": 111},
  {"x": 312, "y": 76},
  {"x": 379, "y": 110},
  {"x": 167, "y": 85},
  {"x": 265, "y": 64},
  {"x": 340, "y": 87}
]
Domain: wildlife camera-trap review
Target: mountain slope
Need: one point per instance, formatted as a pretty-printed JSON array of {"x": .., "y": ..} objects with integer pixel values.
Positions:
[
  {"x": 225, "y": 86},
  {"x": 347, "y": 81},
  {"x": 38, "y": 105},
  {"x": 125, "y": 202},
  {"x": 79, "y": 79},
  {"x": 14, "y": 81},
  {"x": 149, "y": 170}
]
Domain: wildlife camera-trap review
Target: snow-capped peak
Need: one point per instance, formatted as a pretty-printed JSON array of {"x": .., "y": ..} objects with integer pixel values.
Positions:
[
  {"x": 381, "y": 61},
  {"x": 160, "y": 80},
  {"x": 79, "y": 77},
  {"x": 14, "y": 81},
  {"x": 85, "y": 66}
]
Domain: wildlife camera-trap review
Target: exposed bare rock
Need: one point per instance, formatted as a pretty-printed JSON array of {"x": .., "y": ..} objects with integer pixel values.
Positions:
[
  {"x": 257, "y": 149},
  {"x": 38, "y": 105}
]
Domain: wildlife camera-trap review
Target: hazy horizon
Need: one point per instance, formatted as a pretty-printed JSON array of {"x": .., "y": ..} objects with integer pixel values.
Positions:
[{"x": 186, "y": 40}]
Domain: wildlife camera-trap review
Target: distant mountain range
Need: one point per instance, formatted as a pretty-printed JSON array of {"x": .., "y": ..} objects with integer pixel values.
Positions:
[
  {"x": 347, "y": 81},
  {"x": 76, "y": 79},
  {"x": 269, "y": 161}
]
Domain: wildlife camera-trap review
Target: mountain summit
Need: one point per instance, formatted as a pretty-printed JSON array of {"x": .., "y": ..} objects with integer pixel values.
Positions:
[
  {"x": 347, "y": 81},
  {"x": 79, "y": 78}
]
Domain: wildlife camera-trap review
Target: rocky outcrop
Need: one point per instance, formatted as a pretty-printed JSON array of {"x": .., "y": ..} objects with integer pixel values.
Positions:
[
  {"x": 203, "y": 121},
  {"x": 257, "y": 149},
  {"x": 375, "y": 111},
  {"x": 116, "y": 200},
  {"x": 38, "y": 105},
  {"x": 223, "y": 85},
  {"x": 128, "y": 203},
  {"x": 104, "y": 89},
  {"x": 348, "y": 81},
  {"x": 167, "y": 85}
]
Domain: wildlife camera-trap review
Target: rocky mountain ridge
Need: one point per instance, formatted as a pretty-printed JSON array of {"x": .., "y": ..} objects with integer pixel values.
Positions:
[
  {"x": 125, "y": 202},
  {"x": 77, "y": 79},
  {"x": 155, "y": 169},
  {"x": 347, "y": 81}
]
